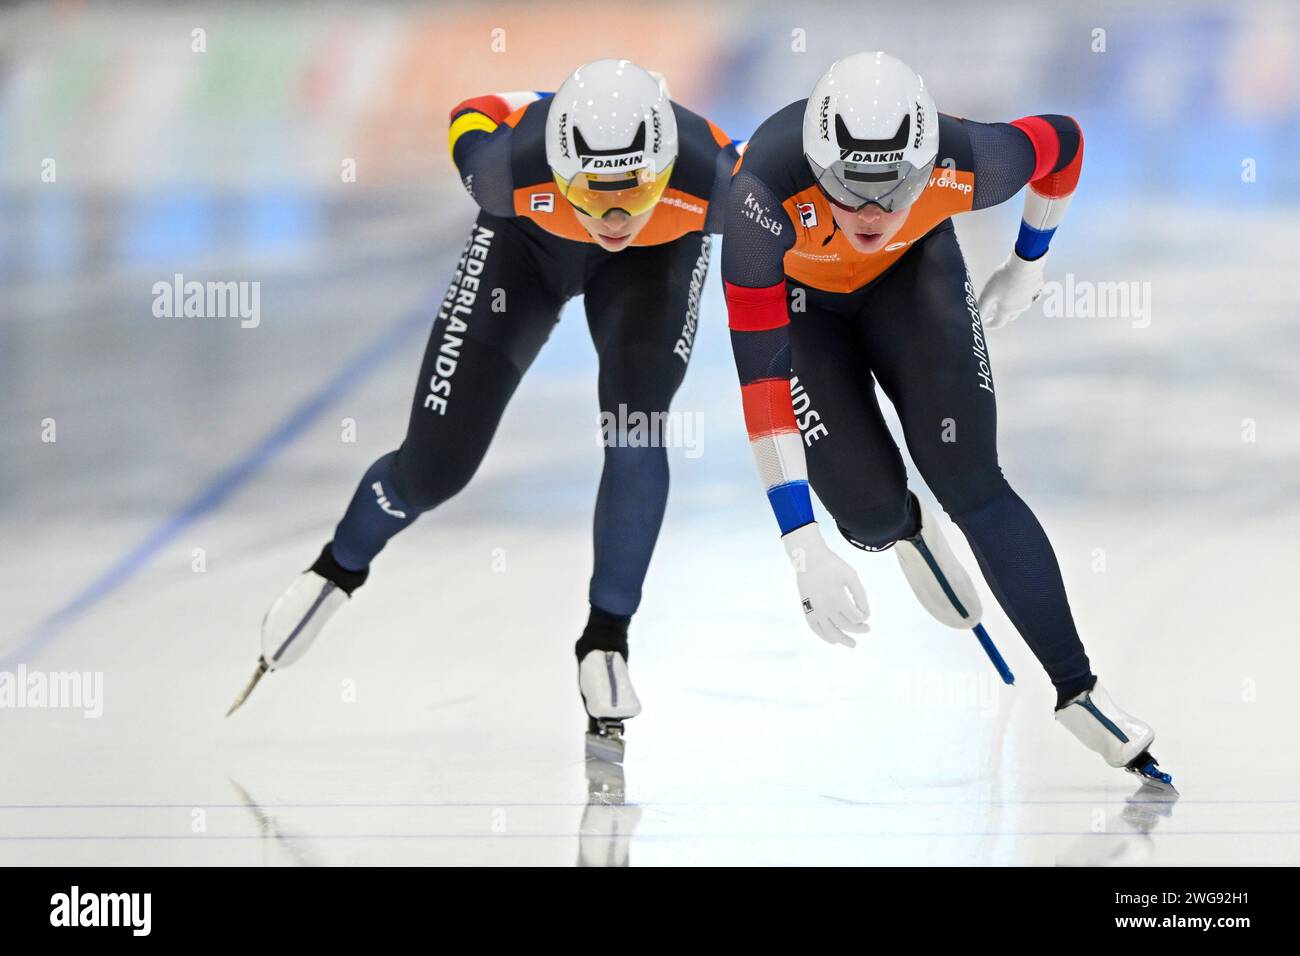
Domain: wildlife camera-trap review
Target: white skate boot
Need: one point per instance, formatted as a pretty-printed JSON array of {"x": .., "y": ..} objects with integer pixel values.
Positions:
[
  {"x": 1120, "y": 738},
  {"x": 298, "y": 616},
  {"x": 942, "y": 585},
  {"x": 937, "y": 578},
  {"x": 609, "y": 697}
]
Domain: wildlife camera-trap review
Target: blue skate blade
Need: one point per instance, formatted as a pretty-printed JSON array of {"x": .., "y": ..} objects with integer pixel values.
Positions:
[
  {"x": 1153, "y": 778},
  {"x": 991, "y": 650}
]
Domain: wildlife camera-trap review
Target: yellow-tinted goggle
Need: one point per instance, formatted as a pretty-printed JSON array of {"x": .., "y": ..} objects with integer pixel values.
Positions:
[{"x": 633, "y": 192}]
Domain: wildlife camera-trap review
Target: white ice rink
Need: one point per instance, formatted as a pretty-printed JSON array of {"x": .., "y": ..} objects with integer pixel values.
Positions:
[{"x": 437, "y": 721}]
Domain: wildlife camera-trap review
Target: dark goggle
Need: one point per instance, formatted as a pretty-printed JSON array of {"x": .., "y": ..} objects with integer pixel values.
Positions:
[{"x": 853, "y": 188}]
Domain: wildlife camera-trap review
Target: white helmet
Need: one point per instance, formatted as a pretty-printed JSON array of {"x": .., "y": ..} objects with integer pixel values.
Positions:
[
  {"x": 611, "y": 138},
  {"x": 871, "y": 132}
]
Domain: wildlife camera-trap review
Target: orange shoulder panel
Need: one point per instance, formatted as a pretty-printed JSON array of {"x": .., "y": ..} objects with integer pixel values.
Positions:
[
  {"x": 719, "y": 137},
  {"x": 513, "y": 119},
  {"x": 677, "y": 214},
  {"x": 822, "y": 258}
]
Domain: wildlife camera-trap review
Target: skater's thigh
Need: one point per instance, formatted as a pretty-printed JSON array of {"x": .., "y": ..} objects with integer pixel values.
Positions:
[
  {"x": 853, "y": 463},
  {"x": 498, "y": 312},
  {"x": 922, "y": 330},
  {"x": 642, "y": 309}
]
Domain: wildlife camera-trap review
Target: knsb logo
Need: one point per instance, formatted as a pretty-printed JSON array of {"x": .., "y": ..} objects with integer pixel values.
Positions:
[
  {"x": 807, "y": 214},
  {"x": 542, "y": 202},
  {"x": 756, "y": 211},
  {"x": 74, "y": 909}
]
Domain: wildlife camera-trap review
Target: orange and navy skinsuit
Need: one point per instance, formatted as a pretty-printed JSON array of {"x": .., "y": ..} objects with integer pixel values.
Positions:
[
  {"x": 817, "y": 326},
  {"x": 499, "y": 146},
  {"x": 528, "y": 255},
  {"x": 780, "y": 227}
]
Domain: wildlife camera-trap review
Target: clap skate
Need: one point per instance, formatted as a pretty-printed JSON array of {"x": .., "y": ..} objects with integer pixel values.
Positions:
[
  {"x": 1121, "y": 739},
  {"x": 298, "y": 616},
  {"x": 942, "y": 585},
  {"x": 609, "y": 698}
]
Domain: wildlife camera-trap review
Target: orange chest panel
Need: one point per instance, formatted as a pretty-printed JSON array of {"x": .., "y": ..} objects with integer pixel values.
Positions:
[
  {"x": 822, "y": 258},
  {"x": 677, "y": 214}
]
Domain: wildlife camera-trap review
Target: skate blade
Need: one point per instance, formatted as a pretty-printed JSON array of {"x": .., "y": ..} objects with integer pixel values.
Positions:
[
  {"x": 605, "y": 740},
  {"x": 1154, "y": 785},
  {"x": 257, "y": 676}
]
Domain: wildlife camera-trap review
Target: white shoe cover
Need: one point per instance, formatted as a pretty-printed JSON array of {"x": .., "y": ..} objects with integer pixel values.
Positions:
[
  {"x": 606, "y": 687},
  {"x": 927, "y": 578},
  {"x": 297, "y": 617},
  {"x": 1104, "y": 728}
]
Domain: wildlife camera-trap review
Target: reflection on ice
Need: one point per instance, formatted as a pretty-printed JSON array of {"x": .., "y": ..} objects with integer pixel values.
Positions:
[
  {"x": 608, "y": 823},
  {"x": 1125, "y": 836},
  {"x": 274, "y": 837}
]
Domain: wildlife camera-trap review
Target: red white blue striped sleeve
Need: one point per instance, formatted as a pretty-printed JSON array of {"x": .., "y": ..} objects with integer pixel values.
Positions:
[
  {"x": 1058, "y": 159},
  {"x": 760, "y": 341}
]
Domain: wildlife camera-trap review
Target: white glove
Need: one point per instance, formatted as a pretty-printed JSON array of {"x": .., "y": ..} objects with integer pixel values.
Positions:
[
  {"x": 1014, "y": 286},
  {"x": 833, "y": 598}
]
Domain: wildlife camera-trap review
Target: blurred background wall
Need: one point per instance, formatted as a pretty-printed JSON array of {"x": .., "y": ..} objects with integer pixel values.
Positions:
[{"x": 169, "y": 143}]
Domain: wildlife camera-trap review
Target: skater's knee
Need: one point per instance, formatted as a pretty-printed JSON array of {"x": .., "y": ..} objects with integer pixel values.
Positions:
[
  {"x": 638, "y": 379},
  {"x": 962, "y": 494},
  {"x": 423, "y": 488},
  {"x": 636, "y": 459},
  {"x": 879, "y": 523}
]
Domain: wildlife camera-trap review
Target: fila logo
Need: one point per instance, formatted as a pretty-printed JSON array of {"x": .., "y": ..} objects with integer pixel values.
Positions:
[
  {"x": 807, "y": 214},
  {"x": 385, "y": 505},
  {"x": 542, "y": 202}
]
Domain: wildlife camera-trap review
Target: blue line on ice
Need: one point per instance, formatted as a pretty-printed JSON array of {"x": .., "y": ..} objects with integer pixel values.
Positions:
[{"x": 238, "y": 474}]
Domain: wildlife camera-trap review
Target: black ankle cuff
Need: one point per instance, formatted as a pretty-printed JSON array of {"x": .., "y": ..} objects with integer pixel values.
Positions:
[
  {"x": 604, "y": 632},
  {"x": 1066, "y": 692},
  {"x": 328, "y": 568}
]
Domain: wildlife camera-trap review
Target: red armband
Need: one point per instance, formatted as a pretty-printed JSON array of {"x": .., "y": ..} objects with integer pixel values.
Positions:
[
  {"x": 756, "y": 310},
  {"x": 1047, "y": 152}
]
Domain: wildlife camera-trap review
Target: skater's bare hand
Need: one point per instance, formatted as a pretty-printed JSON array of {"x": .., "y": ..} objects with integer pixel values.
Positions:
[{"x": 834, "y": 601}]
